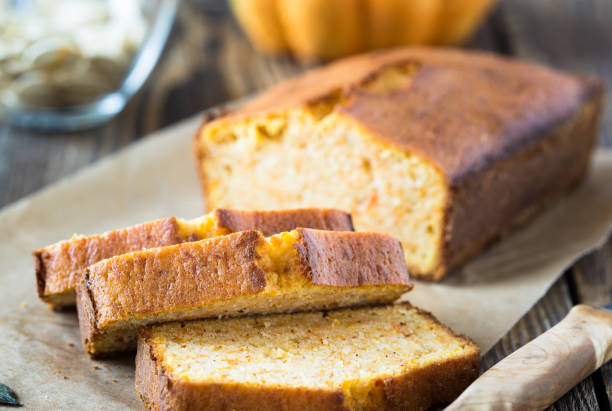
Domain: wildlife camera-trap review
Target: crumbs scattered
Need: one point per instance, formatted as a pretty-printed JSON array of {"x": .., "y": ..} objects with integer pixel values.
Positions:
[
  {"x": 23, "y": 304},
  {"x": 58, "y": 371}
]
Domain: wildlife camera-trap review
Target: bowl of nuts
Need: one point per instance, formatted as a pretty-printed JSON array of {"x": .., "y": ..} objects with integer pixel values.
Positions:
[{"x": 74, "y": 64}]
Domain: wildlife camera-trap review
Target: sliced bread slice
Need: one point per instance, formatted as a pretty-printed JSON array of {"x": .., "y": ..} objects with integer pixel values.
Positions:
[
  {"x": 233, "y": 275},
  {"x": 59, "y": 266},
  {"x": 393, "y": 357}
]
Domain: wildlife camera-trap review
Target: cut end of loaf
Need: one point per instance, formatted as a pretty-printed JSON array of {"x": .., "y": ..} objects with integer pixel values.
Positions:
[
  {"x": 315, "y": 156},
  {"x": 385, "y": 357}
]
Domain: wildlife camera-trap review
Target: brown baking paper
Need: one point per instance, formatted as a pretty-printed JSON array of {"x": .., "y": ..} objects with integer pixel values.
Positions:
[{"x": 40, "y": 351}]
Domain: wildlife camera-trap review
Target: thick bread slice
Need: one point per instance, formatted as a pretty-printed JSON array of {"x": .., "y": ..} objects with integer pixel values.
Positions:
[
  {"x": 392, "y": 357},
  {"x": 58, "y": 266},
  {"x": 233, "y": 275},
  {"x": 447, "y": 150}
]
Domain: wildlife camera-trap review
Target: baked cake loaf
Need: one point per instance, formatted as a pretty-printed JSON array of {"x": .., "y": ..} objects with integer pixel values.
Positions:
[
  {"x": 444, "y": 149},
  {"x": 59, "y": 266},
  {"x": 392, "y": 357},
  {"x": 238, "y": 274}
]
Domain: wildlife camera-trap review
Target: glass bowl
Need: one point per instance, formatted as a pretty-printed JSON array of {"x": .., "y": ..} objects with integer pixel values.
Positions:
[{"x": 67, "y": 65}]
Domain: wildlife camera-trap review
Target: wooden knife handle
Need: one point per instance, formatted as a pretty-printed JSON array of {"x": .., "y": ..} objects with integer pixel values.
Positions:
[{"x": 540, "y": 372}]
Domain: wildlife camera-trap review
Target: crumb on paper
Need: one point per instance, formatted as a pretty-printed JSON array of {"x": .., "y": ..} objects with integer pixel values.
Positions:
[
  {"x": 69, "y": 344},
  {"x": 65, "y": 377},
  {"x": 95, "y": 367},
  {"x": 57, "y": 371},
  {"x": 114, "y": 380},
  {"x": 23, "y": 304}
]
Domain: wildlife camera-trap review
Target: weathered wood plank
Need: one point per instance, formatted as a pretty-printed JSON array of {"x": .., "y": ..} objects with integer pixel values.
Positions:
[
  {"x": 606, "y": 373},
  {"x": 592, "y": 277}
]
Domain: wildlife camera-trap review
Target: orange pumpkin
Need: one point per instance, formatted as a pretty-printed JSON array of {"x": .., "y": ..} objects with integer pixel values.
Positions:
[{"x": 327, "y": 29}]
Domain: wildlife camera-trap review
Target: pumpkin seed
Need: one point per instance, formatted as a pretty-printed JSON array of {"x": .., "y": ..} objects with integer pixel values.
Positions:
[
  {"x": 8, "y": 396},
  {"x": 67, "y": 52}
]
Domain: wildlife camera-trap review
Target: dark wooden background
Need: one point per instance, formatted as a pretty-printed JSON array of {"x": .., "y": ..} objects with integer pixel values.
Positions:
[{"x": 208, "y": 61}]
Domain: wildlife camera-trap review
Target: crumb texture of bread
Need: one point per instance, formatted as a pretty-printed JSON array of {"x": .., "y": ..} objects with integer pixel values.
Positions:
[
  {"x": 376, "y": 358},
  {"x": 363, "y": 189},
  {"x": 411, "y": 141},
  {"x": 238, "y": 274},
  {"x": 59, "y": 266}
]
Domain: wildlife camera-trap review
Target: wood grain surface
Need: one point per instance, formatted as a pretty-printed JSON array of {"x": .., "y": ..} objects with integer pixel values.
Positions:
[{"x": 208, "y": 61}]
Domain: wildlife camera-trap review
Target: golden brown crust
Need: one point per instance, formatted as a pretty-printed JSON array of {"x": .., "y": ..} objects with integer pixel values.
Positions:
[
  {"x": 438, "y": 383},
  {"x": 176, "y": 280},
  {"x": 514, "y": 189},
  {"x": 277, "y": 221},
  {"x": 208, "y": 117},
  {"x": 115, "y": 291},
  {"x": 150, "y": 380},
  {"x": 521, "y": 130},
  {"x": 352, "y": 259},
  {"x": 198, "y": 273},
  {"x": 443, "y": 122},
  {"x": 178, "y": 276},
  {"x": 59, "y": 266},
  {"x": 462, "y": 110},
  {"x": 87, "y": 312},
  {"x": 40, "y": 271}
]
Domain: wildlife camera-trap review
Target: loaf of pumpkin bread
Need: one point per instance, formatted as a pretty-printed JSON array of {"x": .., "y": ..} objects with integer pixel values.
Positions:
[
  {"x": 445, "y": 149},
  {"x": 392, "y": 357},
  {"x": 59, "y": 266},
  {"x": 238, "y": 274}
]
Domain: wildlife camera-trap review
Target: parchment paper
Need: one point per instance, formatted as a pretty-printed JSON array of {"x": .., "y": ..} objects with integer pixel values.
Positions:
[{"x": 40, "y": 351}]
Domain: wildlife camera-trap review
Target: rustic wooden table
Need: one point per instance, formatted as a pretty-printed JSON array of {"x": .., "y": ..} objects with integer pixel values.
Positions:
[{"x": 208, "y": 61}]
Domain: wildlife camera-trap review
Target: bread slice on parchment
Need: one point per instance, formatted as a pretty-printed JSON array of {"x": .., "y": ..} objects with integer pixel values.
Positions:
[
  {"x": 447, "y": 150},
  {"x": 234, "y": 275},
  {"x": 59, "y": 266},
  {"x": 392, "y": 357}
]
